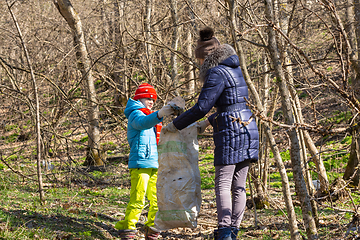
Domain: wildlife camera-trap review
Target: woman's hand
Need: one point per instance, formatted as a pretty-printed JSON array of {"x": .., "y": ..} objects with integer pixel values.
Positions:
[{"x": 201, "y": 126}]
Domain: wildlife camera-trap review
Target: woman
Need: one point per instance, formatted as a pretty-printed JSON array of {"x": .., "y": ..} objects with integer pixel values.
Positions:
[{"x": 235, "y": 134}]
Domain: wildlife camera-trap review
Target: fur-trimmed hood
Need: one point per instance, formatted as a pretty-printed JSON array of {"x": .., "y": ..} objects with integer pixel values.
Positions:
[{"x": 216, "y": 57}]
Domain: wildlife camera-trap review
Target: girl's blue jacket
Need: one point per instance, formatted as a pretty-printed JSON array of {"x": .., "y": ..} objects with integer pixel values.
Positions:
[{"x": 141, "y": 136}]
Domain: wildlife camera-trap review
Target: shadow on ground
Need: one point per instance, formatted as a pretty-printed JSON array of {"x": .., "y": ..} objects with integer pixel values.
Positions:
[{"x": 64, "y": 227}]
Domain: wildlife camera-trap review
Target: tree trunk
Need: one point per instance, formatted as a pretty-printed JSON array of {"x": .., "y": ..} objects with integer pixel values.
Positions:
[
  {"x": 354, "y": 158},
  {"x": 294, "y": 231},
  {"x": 282, "y": 21},
  {"x": 357, "y": 24},
  {"x": 189, "y": 51},
  {"x": 354, "y": 161},
  {"x": 357, "y": 48},
  {"x": 300, "y": 185},
  {"x": 94, "y": 156},
  {"x": 124, "y": 83},
  {"x": 263, "y": 148},
  {"x": 280, "y": 165},
  {"x": 320, "y": 167},
  {"x": 350, "y": 23},
  {"x": 105, "y": 31},
  {"x": 120, "y": 64},
  {"x": 270, "y": 112},
  {"x": 147, "y": 28},
  {"x": 308, "y": 142},
  {"x": 174, "y": 44},
  {"x": 190, "y": 77},
  {"x": 36, "y": 108}
]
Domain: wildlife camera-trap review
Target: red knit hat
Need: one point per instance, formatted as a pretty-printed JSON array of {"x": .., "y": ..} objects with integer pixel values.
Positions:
[{"x": 145, "y": 90}]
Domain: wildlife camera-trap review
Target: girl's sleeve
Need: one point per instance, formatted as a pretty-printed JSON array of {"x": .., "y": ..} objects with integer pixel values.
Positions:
[
  {"x": 140, "y": 121},
  {"x": 210, "y": 92}
]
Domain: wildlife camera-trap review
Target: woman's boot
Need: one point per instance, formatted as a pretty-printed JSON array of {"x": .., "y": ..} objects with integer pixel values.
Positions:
[
  {"x": 234, "y": 233},
  {"x": 222, "y": 234}
]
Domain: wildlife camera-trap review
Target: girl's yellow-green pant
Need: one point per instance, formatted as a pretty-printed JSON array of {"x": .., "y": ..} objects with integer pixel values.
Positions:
[{"x": 143, "y": 183}]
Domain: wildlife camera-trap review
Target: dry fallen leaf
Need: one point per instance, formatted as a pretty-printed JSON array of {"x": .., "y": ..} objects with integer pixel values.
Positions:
[
  {"x": 66, "y": 206},
  {"x": 75, "y": 211}
]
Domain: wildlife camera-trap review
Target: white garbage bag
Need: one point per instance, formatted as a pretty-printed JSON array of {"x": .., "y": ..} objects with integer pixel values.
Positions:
[{"x": 178, "y": 184}]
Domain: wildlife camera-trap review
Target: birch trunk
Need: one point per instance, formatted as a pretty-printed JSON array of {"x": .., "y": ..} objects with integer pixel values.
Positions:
[
  {"x": 294, "y": 231},
  {"x": 300, "y": 185},
  {"x": 94, "y": 156}
]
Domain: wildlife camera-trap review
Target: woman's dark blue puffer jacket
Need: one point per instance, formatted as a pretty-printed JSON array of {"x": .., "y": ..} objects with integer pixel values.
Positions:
[{"x": 225, "y": 88}]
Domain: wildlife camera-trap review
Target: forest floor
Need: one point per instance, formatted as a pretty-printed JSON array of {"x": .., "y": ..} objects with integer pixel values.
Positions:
[{"x": 85, "y": 203}]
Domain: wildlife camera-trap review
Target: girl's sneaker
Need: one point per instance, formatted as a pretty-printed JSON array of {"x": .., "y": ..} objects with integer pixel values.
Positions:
[
  {"x": 151, "y": 233},
  {"x": 127, "y": 234}
]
